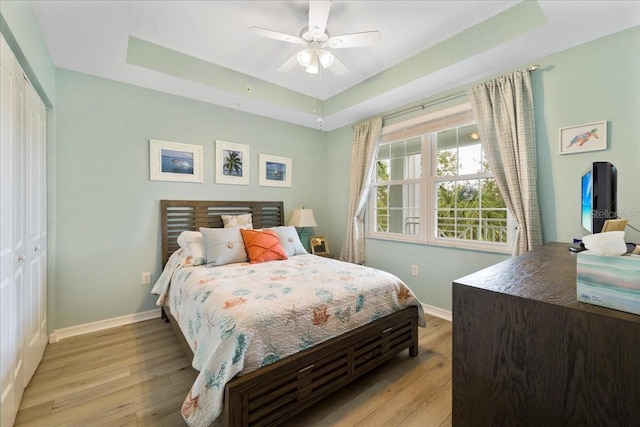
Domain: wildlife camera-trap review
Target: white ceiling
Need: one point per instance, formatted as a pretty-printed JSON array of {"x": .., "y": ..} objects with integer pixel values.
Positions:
[{"x": 92, "y": 37}]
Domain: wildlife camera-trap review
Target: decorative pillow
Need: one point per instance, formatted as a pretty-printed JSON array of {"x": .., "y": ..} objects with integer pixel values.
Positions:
[
  {"x": 289, "y": 240},
  {"x": 193, "y": 242},
  {"x": 223, "y": 246},
  {"x": 237, "y": 221},
  {"x": 262, "y": 245}
]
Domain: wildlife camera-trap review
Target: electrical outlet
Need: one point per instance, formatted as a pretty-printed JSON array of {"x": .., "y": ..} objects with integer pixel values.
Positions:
[
  {"x": 146, "y": 278},
  {"x": 414, "y": 270}
]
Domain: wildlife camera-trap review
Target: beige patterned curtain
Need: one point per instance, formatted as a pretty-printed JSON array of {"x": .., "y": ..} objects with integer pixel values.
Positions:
[
  {"x": 363, "y": 154},
  {"x": 503, "y": 109}
]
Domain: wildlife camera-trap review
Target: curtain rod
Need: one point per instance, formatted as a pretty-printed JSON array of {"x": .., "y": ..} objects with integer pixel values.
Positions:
[
  {"x": 423, "y": 106},
  {"x": 436, "y": 101}
]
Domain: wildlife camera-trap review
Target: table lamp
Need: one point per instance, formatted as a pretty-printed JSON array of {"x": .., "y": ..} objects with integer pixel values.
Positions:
[{"x": 303, "y": 218}]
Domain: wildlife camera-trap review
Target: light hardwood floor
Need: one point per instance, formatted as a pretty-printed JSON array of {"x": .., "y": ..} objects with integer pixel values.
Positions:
[{"x": 137, "y": 375}]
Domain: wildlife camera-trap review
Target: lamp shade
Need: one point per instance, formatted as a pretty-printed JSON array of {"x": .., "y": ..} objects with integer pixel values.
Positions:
[{"x": 303, "y": 218}]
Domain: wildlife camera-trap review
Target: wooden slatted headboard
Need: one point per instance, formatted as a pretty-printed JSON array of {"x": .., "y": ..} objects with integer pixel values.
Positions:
[{"x": 177, "y": 216}]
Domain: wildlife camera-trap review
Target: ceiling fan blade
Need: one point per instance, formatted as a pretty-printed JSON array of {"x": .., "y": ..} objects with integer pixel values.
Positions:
[
  {"x": 367, "y": 38},
  {"x": 318, "y": 15},
  {"x": 338, "y": 68},
  {"x": 289, "y": 64},
  {"x": 262, "y": 32}
]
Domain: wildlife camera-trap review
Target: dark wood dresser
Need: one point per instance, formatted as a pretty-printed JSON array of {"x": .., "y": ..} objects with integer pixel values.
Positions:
[{"x": 526, "y": 353}]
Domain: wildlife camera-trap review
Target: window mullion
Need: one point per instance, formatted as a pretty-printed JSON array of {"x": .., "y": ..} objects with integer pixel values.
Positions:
[
  {"x": 429, "y": 185},
  {"x": 469, "y": 177}
]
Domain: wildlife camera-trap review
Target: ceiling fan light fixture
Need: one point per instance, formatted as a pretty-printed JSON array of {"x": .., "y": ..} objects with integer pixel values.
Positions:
[
  {"x": 305, "y": 57},
  {"x": 317, "y": 42},
  {"x": 312, "y": 68},
  {"x": 326, "y": 58}
]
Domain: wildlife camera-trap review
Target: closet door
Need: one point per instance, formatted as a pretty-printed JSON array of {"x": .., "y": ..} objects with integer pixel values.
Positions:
[
  {"x": 34, "y": 291},
  {"x": 12, "y": 231}
]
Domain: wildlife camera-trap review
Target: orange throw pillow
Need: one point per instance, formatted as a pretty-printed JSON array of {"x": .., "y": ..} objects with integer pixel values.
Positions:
[{"x": 262, "y": 246}]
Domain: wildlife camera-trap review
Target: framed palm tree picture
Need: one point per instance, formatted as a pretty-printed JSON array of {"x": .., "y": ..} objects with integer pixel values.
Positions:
[{"x": 232, "y": 163}]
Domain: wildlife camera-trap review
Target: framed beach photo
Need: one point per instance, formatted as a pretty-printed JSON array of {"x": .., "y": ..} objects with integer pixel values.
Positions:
[
  {"x": 274, "y": 171},
  {"x": 583, "y": 138},
  {"x": 232, "y": 163},
  {"x": 174, "y": 161},
  {"x": 319, "y": 245}
]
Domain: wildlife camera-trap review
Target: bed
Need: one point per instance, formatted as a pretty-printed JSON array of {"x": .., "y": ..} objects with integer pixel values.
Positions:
[{"x": 269, "y": 387}]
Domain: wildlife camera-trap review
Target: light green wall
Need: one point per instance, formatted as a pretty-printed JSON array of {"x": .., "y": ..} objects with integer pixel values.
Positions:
[
  {"x": 590, "y": 83},
  {"x": 20, "y": 28},
  {"x": 108, "y": 209},
  {"x": 593, "y": 82}
]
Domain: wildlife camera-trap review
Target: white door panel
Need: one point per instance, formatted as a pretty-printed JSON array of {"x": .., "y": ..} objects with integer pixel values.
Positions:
[
  {"x": 8, "y": 339},
  {"x": 12, "y": 231},
  {"x": 34, "y": 293},
  {"x": 23, "y": 262}
]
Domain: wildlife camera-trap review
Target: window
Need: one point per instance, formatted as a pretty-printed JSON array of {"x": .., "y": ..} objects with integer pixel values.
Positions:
[{"x": 433, "y": 185}]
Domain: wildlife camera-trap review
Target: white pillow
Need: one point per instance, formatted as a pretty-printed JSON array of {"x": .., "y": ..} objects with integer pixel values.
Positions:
[
  {"x": 223, "y": 246},
  {"x": 238, "y": 221},
  {"x": 193, "y": 242},
  {"x": 289, "y": 240}
]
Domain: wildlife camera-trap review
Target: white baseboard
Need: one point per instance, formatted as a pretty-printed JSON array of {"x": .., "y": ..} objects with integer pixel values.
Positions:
[
  {"x": 438, "y": 312},
  {"x": 72, "y": 331}
]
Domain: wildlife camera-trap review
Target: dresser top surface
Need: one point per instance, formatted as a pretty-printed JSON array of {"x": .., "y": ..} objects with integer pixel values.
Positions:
[{"x": 546, "y": 274}]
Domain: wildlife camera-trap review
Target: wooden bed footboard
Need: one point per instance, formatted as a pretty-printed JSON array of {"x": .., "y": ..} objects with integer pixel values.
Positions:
[{"x": 275, "y": 393}]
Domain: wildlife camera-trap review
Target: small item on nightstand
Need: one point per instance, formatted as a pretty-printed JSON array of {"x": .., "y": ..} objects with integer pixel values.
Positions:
[{"x": 577, "y": 247}]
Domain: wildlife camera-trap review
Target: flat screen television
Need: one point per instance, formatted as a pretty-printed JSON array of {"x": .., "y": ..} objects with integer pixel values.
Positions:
[{"x": 599, "y": 187}]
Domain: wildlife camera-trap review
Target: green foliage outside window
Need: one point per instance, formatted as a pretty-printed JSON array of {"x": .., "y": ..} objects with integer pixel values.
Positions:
[
  {"x": 382, "y": 197},
  {"x": 466, "y": 209}
]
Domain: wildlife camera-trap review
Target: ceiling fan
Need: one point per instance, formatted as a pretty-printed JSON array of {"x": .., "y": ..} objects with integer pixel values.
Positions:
[{"x": 316, "y": 42}]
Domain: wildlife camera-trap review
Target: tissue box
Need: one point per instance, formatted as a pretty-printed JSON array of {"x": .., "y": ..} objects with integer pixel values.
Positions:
[{"x": 609, "y": 281}]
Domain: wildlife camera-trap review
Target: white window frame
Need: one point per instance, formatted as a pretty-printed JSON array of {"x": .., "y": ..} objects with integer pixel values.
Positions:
[{"x": 428, "y": 196}]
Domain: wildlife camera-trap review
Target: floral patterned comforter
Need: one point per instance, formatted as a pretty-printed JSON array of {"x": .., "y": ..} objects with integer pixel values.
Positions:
[{"x": 240, "y": 317}]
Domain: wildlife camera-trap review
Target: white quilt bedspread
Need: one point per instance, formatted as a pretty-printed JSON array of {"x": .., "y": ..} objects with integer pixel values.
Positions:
[{"x": 239, "y": 317}]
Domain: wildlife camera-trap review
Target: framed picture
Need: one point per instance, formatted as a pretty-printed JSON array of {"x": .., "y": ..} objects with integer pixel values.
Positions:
[
  {"x": 583, "y": 138},
  {"x": 274, "y": 171},
  {"x": 232, "y": 163},
  {"x": 319, "y": 245},
  {"x": 174, "y": 161}
]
